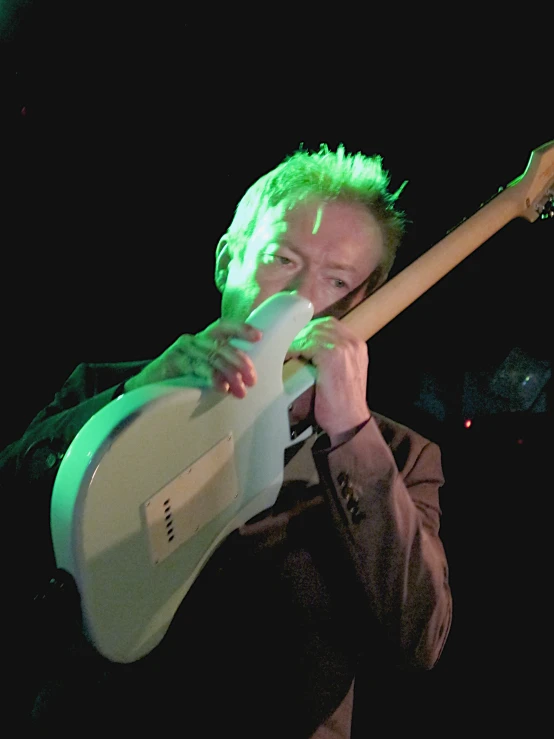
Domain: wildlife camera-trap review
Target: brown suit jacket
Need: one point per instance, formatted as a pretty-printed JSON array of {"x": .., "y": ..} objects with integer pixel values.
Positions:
[{"x": 345, "y": 576}]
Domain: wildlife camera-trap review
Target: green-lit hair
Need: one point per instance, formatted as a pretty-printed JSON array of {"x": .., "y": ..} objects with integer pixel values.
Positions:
[{"x": 332, "y": 176}]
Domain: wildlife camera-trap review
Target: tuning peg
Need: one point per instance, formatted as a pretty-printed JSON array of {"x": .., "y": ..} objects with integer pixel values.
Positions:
[{"x": 547, "y": 210}]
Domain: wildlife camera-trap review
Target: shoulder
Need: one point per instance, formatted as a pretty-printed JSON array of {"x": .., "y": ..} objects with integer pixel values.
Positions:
[{"x": 87, "y": 381}]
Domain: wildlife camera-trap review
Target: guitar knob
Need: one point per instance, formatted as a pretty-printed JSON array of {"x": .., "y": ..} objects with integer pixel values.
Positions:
[{"x": 548, "y": 209}]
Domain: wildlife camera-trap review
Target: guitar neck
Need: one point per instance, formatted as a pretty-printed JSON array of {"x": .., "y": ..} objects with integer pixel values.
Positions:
[{"x": 394, "y": 296}]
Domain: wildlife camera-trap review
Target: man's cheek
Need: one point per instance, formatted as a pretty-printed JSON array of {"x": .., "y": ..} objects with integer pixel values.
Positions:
[
  {"x": 337, "y": 309},
  {"x": 349, "y": 301}
]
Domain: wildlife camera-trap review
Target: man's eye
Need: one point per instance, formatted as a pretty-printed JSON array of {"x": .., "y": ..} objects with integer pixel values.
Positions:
[
  {"x": 276, "y": 259},
  {"x": 339, "y": 283}
]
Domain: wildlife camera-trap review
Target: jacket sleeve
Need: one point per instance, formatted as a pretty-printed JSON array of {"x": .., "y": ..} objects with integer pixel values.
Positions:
[
  {"x": 88, "y": 389},
  {"x": 384, "y": 499},
  {"x": 28, "y": 466}
]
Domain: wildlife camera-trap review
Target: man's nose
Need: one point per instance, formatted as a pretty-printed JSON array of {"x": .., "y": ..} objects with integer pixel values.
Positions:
[{"x": 305, "y": 285}]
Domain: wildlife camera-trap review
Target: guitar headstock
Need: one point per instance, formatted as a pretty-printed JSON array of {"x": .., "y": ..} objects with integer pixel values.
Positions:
[{"x": 534, "y": 189}]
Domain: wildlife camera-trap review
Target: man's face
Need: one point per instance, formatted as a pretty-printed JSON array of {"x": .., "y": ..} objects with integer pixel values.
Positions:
[{"x": 326, "y": 251}]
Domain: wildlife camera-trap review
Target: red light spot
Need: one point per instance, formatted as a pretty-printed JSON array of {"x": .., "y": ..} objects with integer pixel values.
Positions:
[
  {"x": 467, "y": 423},
  {"x": 24, "y": 111},
  {"x": 520, "y": 441}
]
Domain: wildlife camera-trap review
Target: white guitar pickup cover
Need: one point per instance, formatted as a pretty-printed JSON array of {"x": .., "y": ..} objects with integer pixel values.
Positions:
[{"x": 191, "y": 500}]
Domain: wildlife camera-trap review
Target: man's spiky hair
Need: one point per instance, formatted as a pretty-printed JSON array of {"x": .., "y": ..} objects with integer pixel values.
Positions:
[{"x": 330, "y": 175}]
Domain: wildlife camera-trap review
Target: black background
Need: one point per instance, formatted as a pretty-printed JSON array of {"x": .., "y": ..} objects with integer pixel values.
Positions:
[{"x": 129, "y": 138}]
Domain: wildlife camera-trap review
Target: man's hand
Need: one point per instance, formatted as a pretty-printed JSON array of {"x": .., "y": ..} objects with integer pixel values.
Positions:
[
  {"x": 342, "y": 363},
  {"x": 205, "y": 360}
]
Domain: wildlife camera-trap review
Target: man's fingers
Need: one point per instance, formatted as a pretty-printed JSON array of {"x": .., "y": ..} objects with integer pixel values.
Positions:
[
  {"x": 207, "y": 358},
  {"x": 220, "y": 382},
  {"x": 226, "y": 358},
  {"x": 231, "y": 362},
  {"x": 225, "y": 330}
]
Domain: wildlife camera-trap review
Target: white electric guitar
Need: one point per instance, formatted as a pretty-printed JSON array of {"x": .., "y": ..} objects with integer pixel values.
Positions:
[{"x": 154, "y": 482}]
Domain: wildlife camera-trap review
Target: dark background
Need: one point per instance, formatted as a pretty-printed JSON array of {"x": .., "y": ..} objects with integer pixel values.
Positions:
[{"x": 128, "y": 139}]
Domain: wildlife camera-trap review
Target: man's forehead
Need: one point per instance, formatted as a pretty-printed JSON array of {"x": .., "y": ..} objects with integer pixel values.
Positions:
[
  {"x": 272, "y": 221},
  {"x": 277, "y": 218},
  {"x": 308, "y": 215}
]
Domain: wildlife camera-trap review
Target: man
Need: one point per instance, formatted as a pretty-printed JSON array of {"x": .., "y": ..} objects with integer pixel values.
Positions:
[{"x": 346, "y": 575}]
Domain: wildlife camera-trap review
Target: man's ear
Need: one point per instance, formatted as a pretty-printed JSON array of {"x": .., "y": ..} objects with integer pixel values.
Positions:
[{"x": 223, "y": 259}]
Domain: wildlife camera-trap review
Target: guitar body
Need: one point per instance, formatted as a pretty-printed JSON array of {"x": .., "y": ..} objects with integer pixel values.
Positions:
[{"x": 155, "y": 481}]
